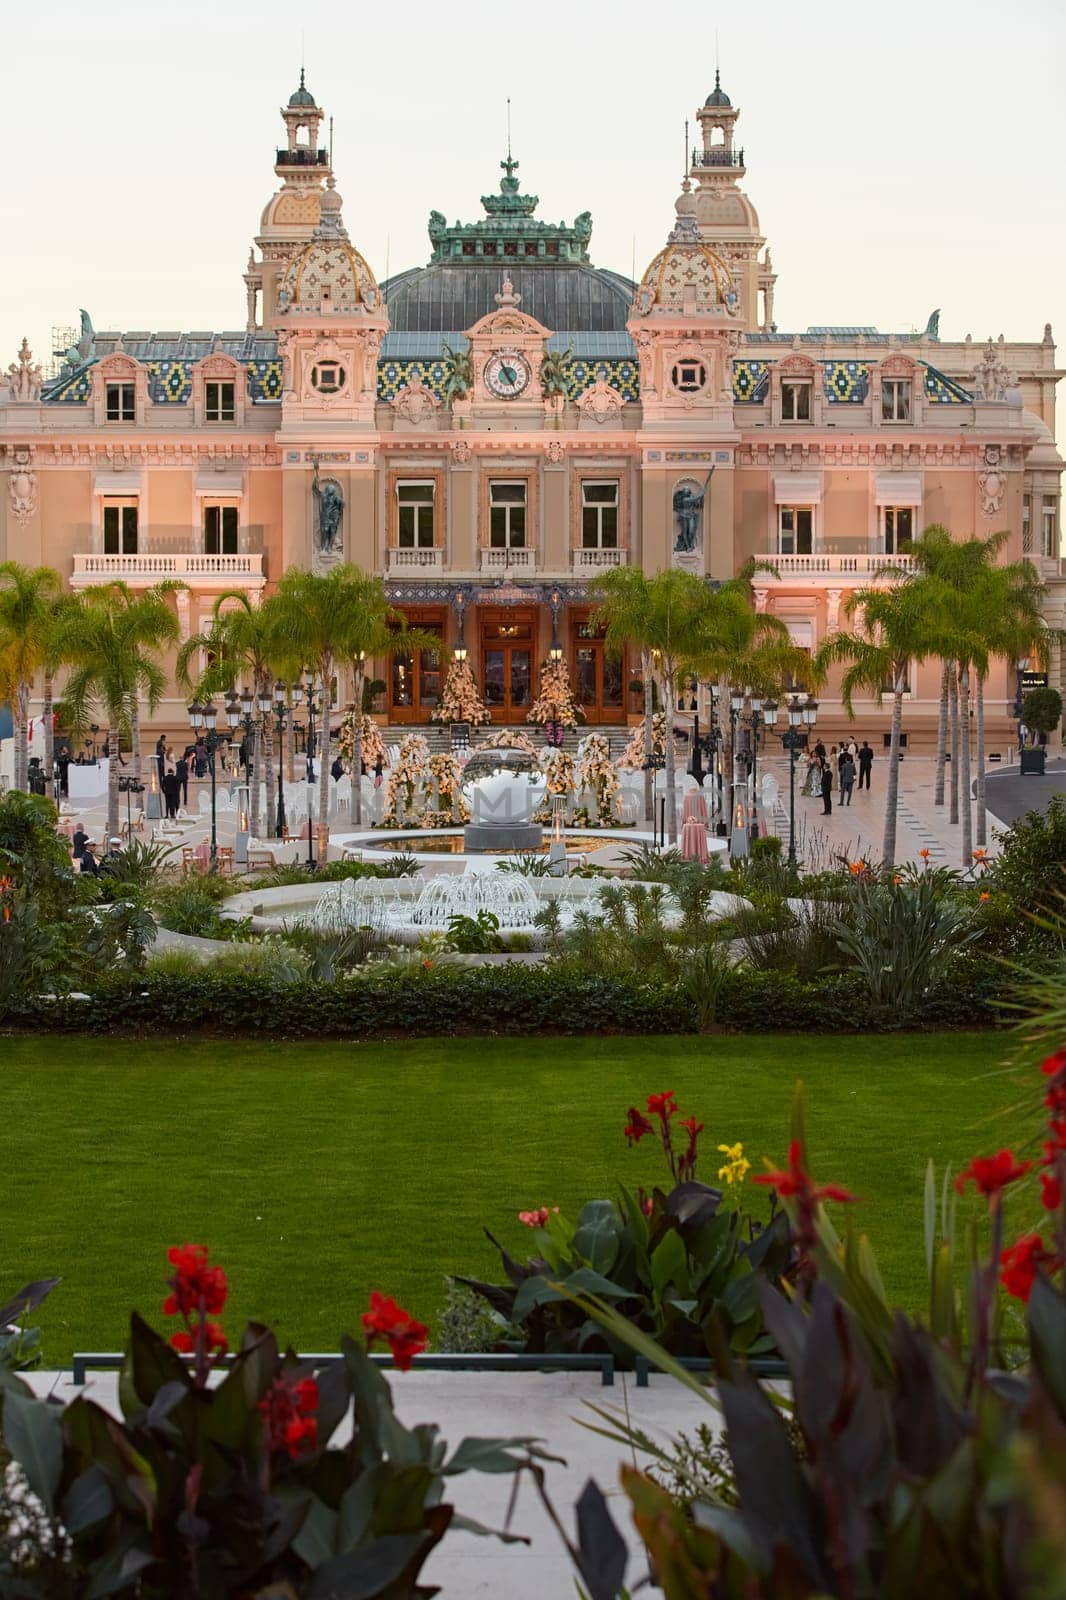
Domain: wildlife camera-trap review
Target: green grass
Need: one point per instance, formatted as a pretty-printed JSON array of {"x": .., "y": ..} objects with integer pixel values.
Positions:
[{"x": 318, "y": 1172}]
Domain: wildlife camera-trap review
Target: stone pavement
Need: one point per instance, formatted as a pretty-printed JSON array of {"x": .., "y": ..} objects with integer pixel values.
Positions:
[{"x": 550, "y": 1405}]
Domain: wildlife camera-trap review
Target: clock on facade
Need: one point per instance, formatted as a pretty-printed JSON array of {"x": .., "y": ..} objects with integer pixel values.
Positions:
[{"x": 507, "y": 375}]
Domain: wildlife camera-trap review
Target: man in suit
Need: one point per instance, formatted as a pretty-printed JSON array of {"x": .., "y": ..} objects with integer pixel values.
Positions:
[
  {"x": 181, "y": 772},
  {"x": 866, "y": 761}
]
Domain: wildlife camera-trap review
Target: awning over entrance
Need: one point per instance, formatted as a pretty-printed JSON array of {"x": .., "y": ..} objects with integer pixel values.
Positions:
[
  {"x": 898, "y": 488},
  {"x": 798, "y": 488}
]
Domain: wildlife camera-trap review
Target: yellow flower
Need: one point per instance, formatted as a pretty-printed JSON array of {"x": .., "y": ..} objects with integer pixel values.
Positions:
[{"x": 736, "y": 1166}]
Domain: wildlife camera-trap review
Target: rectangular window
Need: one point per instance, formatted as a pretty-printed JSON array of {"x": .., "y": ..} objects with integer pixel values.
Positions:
[
  {"x": 507, "y": 514},
  {"x": 896, "y": 400},
  {"x": 1049, "y": 516},
  {"x": 599, "y": 515},
  {"x": 897, "y": 527},
  {"x": 120, "y": 529},
  {"x": 795, "y": 530},
  {"x": 1027, "y": 524},
  {"x": 121, "y": 402},
  {"x": 414, "y": 515},
  {"x": 219, "y": 402},
  {"x": 796, "y": 401},
  {"x": 220, "y": 530}
]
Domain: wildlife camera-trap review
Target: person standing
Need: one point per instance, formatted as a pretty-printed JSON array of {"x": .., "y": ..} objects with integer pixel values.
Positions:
[
  {"x": 78, "y": 840},
  {"x": 161, "y": 754},
  {"x": 171, "y": 792},
  {"x": 866, "y": 761},
  {"x": 181, "y": 772},
  {"x": 847, "y": 778},
  {"x": 63, "y": 768},
  {"x": 87, "y": 861},
  {"x": 827, "y": 789}
]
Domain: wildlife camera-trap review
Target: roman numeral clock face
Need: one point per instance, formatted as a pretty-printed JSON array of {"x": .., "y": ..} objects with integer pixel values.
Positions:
[{"x": 507, "y": 375}]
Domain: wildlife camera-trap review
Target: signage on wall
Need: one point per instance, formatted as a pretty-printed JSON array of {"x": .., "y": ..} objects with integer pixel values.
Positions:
[{"x": 1033, "y": 680}]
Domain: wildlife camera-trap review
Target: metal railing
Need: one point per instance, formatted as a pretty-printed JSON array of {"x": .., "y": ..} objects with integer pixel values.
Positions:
[
  {"x": 717, "y": 158},
  {"x": 85, "y": 1361},
  {"x": 302, "y": 157}
]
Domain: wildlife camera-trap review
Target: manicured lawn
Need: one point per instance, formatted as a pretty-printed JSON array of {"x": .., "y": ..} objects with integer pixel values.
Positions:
[{"x": 318, "y": 1172}]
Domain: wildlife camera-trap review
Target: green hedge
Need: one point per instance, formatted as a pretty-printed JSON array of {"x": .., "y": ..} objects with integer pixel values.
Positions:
[{"x": 514, "y": 999}]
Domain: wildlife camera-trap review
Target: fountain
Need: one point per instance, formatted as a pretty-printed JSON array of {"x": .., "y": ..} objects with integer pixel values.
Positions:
[
  {"x": 511, "y": 899},
  {"x": 502, "y": 787}
]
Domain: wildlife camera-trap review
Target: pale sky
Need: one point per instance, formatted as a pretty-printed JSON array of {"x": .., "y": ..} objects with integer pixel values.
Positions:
[{"x": 900, "y": 158}]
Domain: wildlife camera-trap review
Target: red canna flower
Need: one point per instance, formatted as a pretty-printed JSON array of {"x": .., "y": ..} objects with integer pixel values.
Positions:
[
  {"x": 637, "y": 1126},
  {"x": 1052, "y": 1065},
  {"x": 1021, "y": 1262},
  {"x": 405, "y": 1337},
  {"x": 1050, "y": 1191},
  {"x": 194, "y": 1282},
  {"x": 182, "y": 1343},
  {"x": 538, "y": 1218},
  {"x": 992, "y": 1174},
  {"x": 984, "y": 895},
  {"x": 288, "y": 1410},
  {"x": 663, "y": 1106},
  {"x": 797, "y": 1182},
  {"x": 686, "y": 1166}
]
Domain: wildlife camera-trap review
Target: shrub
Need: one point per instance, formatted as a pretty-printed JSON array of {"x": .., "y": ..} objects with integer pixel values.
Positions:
[
  {"x": 272, "y": 960},
  {"x": 478, "y": 935},
  {"x": 190, "y": 907},
  {"x": 174, "y": 962},
  {"x": 136, "y": 867},
  {"x": 466, "y": 1325},
  {"x": 1031, "y": 865},
  {"x": 899, "y": 938}
]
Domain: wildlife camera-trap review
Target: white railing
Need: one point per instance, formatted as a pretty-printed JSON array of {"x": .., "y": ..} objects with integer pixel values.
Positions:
[
  {"x": 429, "y": 561},
  {"x": 500, "y": 560},
  {"x": 822, "y": 564},
  {"x": 191, "y": 567},
  {"x": 597, "y": 560}
]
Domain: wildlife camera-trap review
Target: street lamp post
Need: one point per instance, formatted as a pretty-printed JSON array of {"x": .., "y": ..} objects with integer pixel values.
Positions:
[
  {"x": 280, "y": 825},
  {"x": 313, "y": 700},
  {"x": 129, "y": 786},
  {"x": 1021, "y": 668},
  {"x": 202, "y": 722},
  {"x": 802, "y": 714}
]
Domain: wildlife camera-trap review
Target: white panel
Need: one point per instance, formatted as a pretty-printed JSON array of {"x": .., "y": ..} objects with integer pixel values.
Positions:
[
  {"x": 798, "y": 489},
  {"x": 899, "y": 488},
  {"x": 114, "y": 484},
  {"x": 219, "y": 483}
]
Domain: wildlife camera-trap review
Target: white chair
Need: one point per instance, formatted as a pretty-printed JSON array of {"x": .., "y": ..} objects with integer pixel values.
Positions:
[{"x": 628, "y": 805}]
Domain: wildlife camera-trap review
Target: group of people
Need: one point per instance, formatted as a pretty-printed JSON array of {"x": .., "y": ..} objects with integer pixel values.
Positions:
[
  {"x": 838, "y": 768},
  {"x": 83, "y": 850},
  {"x": 174, "y": 774}
]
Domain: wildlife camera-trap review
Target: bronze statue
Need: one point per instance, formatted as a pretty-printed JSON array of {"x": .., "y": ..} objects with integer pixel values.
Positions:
[
  {"x": 330, "y": 503},
  {"x": 688, "y": 514},
  {"x": 554, "y": 378},
  {"x": 460, "y": 379}
]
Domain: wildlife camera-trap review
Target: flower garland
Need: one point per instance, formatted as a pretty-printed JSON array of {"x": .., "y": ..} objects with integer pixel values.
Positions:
[
  {"x": 558, "y": 769},
  {"x": 632, "y": 759},
  {"x": 596, "y": 772},
  {"x": 460, "y": 701},
  {"x": 406, "y": 780},
  {"x": 446, "y": 773},
  {"x": 373, "y": 743},
  {"x": 555, "y": 702},
  {"x": 510, "y": 739}
]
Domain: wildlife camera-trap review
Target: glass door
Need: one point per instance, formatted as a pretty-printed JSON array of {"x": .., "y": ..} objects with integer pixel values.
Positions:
[
  {"x": 599, "y": 679},
  {"x": 416, "y": 676},
  {"x": 507, "y": 644}
]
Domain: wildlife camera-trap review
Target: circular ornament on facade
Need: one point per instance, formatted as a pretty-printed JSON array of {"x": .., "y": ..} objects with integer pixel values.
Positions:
[
  {"x": 507, "y": 375},
  {"x": 688, "y": 376},
  {"x": 328, "y": 377}
]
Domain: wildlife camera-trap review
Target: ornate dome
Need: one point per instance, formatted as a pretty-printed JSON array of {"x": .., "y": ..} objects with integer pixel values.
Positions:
[
  {"x": 682, "y": 266},
  {"x": 328, "y": 274},
  {"x": 718, "y": 207},
  {"x": 302, "y": 96},
  {"x": 718, "y": 96}
]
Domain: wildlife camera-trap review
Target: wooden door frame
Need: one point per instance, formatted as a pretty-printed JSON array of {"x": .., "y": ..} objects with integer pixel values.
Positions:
[
  {"x": 497, "y": 615},
  {"x": 600, "y": 713},
  {"x": 418, "y": 616}
]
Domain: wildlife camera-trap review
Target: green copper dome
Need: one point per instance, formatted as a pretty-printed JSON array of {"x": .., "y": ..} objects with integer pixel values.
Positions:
[
  {"x": 302, "y": 96},
  {"x": 718, "y": 96}
]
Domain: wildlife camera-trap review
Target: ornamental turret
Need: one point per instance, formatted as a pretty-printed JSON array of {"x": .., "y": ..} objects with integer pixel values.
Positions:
[{"x": 292, "y": 214}]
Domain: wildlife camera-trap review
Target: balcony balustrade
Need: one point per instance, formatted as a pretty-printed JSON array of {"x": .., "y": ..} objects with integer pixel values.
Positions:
[
  {"x": 144, "y": 568},
  {"x": 824, "y": 564},
  {"x": 599, "y": 560},
  {"x": 427, "y": 561},
  {"x": 508, "y": 559}
]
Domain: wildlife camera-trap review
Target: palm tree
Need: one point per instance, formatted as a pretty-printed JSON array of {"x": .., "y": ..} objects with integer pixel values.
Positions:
[
  {"x": 242, "y": 643},
  {"x": 27, "y": 641},
  {"x": 897, "y": 629},
  {"x": 157, "y": 626},
  {"x": 319, "y": 624},
  {"x": 623, "y": 608},
  {"x": 112, "y": 648}
]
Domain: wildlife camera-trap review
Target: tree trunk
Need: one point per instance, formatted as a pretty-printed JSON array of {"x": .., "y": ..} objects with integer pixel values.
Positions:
[
  {"x": 982, "y": 818},
  {"x": 49, "y": 736},
  {"x": 941, "y": 736},
  {"x": 251, "y": 741},
  {"x": 290, "y": 751},
  {"x": 964, "y": 766},
  {"x": 669, "y": 677},
  {"x": 21, "y": 774},
  {"x": 269, "y": 775},
  {"x": 135, "y": 736},
  {"x": 953, "y": 706},
  {"x": 888, "y": 843},
  {"x": 649, "y": 738},
  {"x": 356, "y": 812},
  {"x": 326, "y": 668},
  {"x": 111, "y": 736}
]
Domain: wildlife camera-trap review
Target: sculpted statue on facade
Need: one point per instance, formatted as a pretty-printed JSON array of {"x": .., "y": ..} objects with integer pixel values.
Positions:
[
  {"x": 329, "y": 503},
  {"x": 415, "y": 402},
  {"x": 992, "y": 481},
  {"x": 460, "y": 379},
  {"x": 688, "y": 515},
  {"x": 992, "y": 377},
  {"x": 600, "y": 401},
  {"x": 553, "y": 376},
  {"x": 25, "y": 376},
  {"x": 22, "y": 487}
]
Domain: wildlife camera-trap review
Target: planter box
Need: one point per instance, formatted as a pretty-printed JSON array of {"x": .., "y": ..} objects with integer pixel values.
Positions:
[{"x": 1033, "y": 761}]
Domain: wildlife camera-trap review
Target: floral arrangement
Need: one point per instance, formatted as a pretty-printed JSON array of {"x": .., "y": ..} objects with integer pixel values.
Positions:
[
  {"x": 460, "y": 701},
  {"x": 510, "y": 739},
  {"x": 406, "y": 781},
  {"x": 446, "y": 775},
  {"x": 373, "y": 743},
  {"x": 596, "y": 772},
  {"x": 555, "y": 703},
  {"x": 632, "y": 759},
  {"x": 219, "y": 1476},
  {"x": 558, "y": 769}
]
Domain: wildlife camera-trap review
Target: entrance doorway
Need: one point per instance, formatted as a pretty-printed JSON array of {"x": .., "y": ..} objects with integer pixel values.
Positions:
[
  {"x": 599, "y": 679},
  {"x": 416, "y": 676},
  {"x": 508, "y": 645}
]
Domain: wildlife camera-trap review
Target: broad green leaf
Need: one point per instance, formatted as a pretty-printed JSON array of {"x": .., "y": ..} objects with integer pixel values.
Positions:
[
  {"x": 316, "y": 1540},
  {"x": 1047, "y": 1341},
  {"x": 120, "y": 1568},
  {"x": 34, "y": 1436},
  {"x": 495, "y": 1455},
  {"x": 365, "y": 1573},
  {"x": 542, "y": 1291},
  {"x": 669, "y": 1264},
  {"x": 930, "y": 1216},
  {"x": 88, "y": 1501},
  {"x": 597, "y": 1235},
  {"x": 626, "y": 1332}
]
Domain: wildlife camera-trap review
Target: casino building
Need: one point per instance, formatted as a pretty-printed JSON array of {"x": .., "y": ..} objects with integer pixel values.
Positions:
[{"x": 498, "y": 425}]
